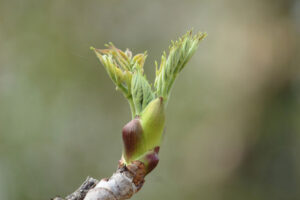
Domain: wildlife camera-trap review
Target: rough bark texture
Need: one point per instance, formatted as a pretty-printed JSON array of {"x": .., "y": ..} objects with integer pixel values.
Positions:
[{"x": 126, "y": 181}]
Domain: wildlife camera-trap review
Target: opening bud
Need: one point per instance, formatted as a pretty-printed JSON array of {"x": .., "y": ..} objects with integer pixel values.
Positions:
[{"x": 153, "y": 120}]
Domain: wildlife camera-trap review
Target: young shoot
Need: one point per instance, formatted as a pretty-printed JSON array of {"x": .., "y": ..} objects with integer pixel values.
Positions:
[{"x": 142, "y": 136}]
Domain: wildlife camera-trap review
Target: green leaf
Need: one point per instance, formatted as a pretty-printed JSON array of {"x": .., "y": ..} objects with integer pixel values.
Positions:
[
  {"x": 123, "y": 69},
  {"x": 141, "y": 91},
  {"x": 180, "y": 53},
  {"x": 142, "y": 136}
]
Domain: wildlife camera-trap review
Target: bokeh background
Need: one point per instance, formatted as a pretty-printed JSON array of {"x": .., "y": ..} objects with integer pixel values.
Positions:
[{"x": 233, "y": 122}]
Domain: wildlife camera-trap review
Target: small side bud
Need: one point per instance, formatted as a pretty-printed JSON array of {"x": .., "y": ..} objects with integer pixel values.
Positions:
[
  {"x": 132, "y": 134},
  {"x": 150, "y": 159}
]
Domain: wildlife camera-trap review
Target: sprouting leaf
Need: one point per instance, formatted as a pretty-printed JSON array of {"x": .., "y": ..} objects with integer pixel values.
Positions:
[
  {"x": 180, "y": 53},
  {"x": 141, "y": 91},
  {"x": 127, "y": 72}
]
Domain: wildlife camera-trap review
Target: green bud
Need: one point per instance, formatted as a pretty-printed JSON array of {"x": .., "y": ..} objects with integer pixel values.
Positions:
[
  {"x": 142, "y": 136},
  {"x": 153, "y": 120}
]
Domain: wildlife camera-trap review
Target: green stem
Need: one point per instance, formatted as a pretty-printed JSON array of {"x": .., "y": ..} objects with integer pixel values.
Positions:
[{"x": 132, "y": 107}]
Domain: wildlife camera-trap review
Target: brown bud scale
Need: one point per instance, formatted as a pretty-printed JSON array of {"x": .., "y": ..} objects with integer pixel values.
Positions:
[{"x": 132, "y": 134}]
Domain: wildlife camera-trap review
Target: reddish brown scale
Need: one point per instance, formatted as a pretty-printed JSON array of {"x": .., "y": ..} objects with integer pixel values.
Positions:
[
  {"x": 156, "y": 149},
  {"x": 152, "y": 161},
  {"x": 132, "y": 134}
]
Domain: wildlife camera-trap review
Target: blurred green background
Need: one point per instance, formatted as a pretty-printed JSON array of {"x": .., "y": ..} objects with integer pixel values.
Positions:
[{"x": 233, "y": 121}]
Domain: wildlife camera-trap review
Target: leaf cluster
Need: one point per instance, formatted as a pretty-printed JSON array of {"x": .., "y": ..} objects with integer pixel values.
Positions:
[{"x": 127, "y": 72}]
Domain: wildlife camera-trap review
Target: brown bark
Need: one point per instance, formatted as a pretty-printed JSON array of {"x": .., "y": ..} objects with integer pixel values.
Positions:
[{"x": 126, "y": 181}]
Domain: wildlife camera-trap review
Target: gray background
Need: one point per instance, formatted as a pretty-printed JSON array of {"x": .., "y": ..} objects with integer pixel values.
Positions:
[{"x": 232, "y": 128}]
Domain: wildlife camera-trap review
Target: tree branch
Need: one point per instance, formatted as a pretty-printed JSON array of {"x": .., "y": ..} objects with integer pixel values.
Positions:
[
  {"x": 126, "y": 181},
  {"x": 142, "y": 135}
]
